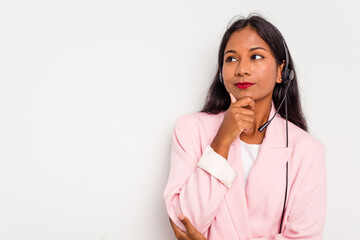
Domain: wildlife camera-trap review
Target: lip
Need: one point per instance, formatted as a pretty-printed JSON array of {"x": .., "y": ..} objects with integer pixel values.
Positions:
[{"x": 243, "y": 85}]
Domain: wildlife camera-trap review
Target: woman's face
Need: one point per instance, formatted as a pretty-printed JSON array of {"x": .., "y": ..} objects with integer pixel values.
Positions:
[{"x": 248, "y": 58}]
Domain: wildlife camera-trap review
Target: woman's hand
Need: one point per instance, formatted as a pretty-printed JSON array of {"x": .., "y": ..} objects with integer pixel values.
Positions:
[
  {"x": 191, "y": 234},
  {"x": 238, "y": 117}
]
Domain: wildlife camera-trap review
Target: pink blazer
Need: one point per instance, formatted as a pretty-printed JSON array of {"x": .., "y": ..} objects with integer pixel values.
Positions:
[{"x": 253, "y": 211}]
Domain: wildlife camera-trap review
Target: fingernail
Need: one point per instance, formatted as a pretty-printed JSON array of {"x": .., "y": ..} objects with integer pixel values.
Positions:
[{"x": 181, "y": 217}]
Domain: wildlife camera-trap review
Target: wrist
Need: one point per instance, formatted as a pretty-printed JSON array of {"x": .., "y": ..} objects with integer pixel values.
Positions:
[{"x": 221, "y": 146}]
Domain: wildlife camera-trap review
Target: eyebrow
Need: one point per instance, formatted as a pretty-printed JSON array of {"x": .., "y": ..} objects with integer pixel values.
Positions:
[{"x": 251, "y": 49}]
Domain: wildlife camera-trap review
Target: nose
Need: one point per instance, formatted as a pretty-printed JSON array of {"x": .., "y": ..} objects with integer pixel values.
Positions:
[{"x": 243, "y": 68}]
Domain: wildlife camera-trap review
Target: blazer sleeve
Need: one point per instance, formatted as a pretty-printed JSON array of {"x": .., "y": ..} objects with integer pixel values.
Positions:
[
  {"x": 307, "y": 215},
  {"x": 191, "y": 190}
]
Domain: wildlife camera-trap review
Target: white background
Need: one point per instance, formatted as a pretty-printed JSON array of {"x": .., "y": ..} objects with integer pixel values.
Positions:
[{"x": 90, "y": 90}]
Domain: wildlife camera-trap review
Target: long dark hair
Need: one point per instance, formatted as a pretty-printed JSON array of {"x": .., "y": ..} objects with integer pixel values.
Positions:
[{"x": 218, "y": 98}]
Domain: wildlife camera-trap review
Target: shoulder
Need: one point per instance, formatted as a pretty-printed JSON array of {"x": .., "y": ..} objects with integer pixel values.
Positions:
[
  {"x": 306, "y": 147},
  {"x": 303, "y": 138},
  {"x": 308, "y": 161},
  {"x": 200, "y": 120},
  {"x": 196, "y": 130},
  {"x": 198, "y": 117}
]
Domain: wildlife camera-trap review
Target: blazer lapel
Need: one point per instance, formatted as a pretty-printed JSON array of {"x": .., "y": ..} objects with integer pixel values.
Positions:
[
  {"x": 270, "y": 163},
  {"x": 268, "y": 167},
  {"x": 235, "y": 197}
]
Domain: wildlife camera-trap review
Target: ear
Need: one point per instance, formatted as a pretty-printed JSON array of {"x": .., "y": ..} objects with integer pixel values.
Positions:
[{"x": 280, "y": 68}]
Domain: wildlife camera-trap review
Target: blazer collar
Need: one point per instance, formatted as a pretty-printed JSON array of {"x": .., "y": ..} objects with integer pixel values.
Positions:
[{"x": 267, "y": 170}]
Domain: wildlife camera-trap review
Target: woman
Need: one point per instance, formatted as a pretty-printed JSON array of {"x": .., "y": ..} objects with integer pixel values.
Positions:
[{"x": 230, "y": 176}]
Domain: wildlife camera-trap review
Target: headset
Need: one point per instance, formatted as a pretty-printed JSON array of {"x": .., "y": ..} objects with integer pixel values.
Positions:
[{"x": 287, "y": 76}]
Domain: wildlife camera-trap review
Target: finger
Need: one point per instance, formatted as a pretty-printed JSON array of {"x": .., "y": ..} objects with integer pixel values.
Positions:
[
  {"x": 251, "y": 103},
  {"x": 190, "y": 228},
  {"x": 245, "y": 124},
  {"x": 233, "y": 99},
  {"x": 192, "y": 232},
  {"x": 247, "y": 127},
  {"x": 245, "y": 119},
  {"x": 244, "y": 102},
  {"x": 244, "y": 111},
  {"x": 173, "y": 225},
  {"x": 179, "y": 233}
]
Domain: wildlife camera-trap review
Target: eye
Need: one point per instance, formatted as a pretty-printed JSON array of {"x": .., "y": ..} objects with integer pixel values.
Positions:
[
  {"x": 227, "y": 59},
  {"x": 256, "y": 55}
]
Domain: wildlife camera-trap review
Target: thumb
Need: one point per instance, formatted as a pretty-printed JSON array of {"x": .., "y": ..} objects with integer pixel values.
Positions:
[
  {"x": 233, "y": 99},
  {"x": 187, "y": 223}
]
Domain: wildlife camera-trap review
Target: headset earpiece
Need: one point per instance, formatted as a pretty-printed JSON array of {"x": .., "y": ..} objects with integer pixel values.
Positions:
[
  {"x": 287, "y": 74},
  {"x": 291, "y": 75}
]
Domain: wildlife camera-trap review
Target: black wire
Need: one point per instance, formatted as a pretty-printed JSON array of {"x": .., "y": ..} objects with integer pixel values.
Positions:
[
  {"x": 287, "y": 138},
  {"x": 287, "y": 144},
  {"x": 282, "y": 216}
]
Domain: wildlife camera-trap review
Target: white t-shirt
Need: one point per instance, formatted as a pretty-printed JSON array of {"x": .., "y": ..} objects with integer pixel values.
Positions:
[{"x": 249, "y": 154}]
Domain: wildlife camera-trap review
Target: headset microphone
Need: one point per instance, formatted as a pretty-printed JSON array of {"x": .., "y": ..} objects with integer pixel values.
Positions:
[{"x": 288, "y": 75}]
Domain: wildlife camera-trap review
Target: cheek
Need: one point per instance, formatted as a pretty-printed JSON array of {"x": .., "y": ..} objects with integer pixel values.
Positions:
[
  {"x": 266, "y": 74},
  {"x": 228, "y": 71}
]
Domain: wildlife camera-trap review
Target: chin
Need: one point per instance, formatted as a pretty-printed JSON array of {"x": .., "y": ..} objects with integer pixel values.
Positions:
[{"x": 242, "y": 95}]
